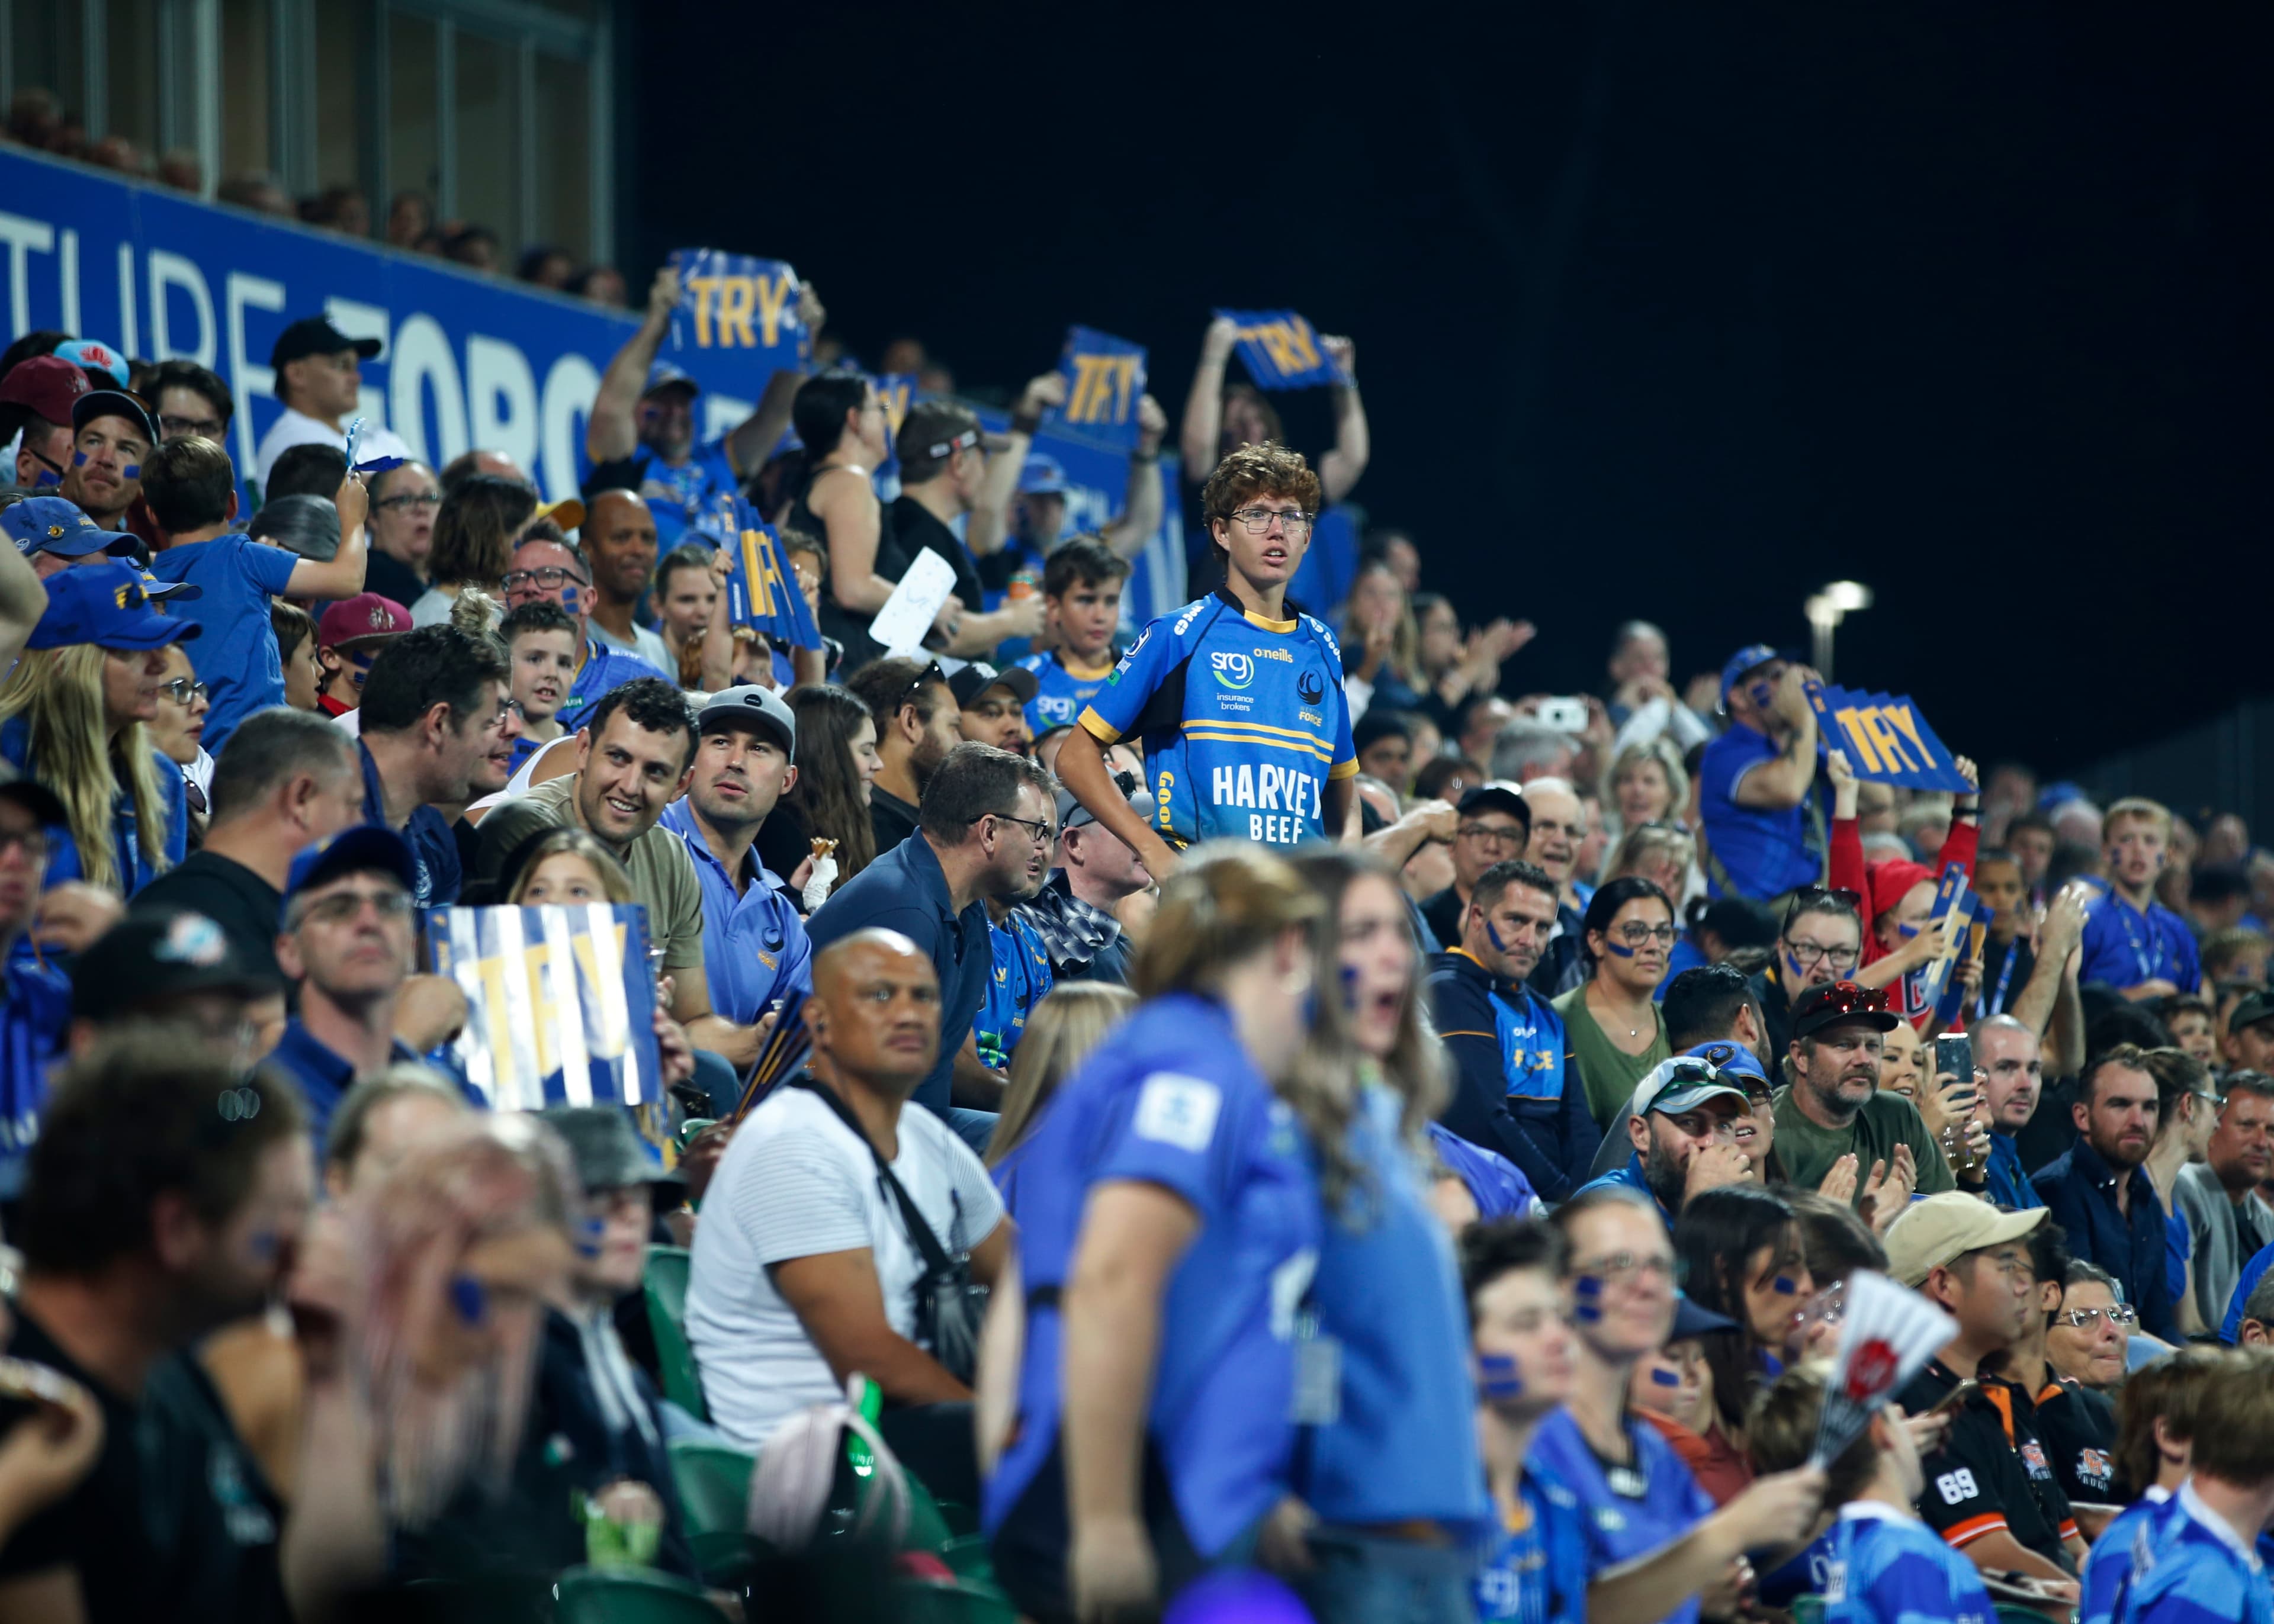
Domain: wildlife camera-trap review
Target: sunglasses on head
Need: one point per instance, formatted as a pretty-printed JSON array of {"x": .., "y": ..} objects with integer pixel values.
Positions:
[
  {"x": 1812, "y": 899},
  {"x": 1847, "y": 998}
]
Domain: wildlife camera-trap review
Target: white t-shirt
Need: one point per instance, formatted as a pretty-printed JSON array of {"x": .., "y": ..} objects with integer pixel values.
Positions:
[
  {"x": 297, "y": 428},
  {"x": 794, "y": 1182},
  {"x": 648, "y": 645}
]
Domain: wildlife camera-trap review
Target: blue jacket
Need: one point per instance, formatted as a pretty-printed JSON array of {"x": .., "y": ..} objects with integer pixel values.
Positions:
[
  {"x": 1518, "y": 1090},
  {"x": 2008, "y": 1183},
  {"x": 2079, "y": 1190}
]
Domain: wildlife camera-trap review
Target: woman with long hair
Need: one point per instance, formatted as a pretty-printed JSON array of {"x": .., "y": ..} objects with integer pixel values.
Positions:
[
  {"x": 76, "y": 716},
  {"x": 178, "y": 729},
  {"x": 1072, "y": 1019},
  {"x": 1172, "y": 1210},
  {"x": 1394, "y": 1477},
  {"x": 836, "y": 763},
  {"x": 568, "y": 867},
  {"x": 1740, "y": 1252},
  {"x": 1614, "y": 1028},
  {"x": 1383, "y": 642},
  {"x": 1646, "y": 784},
  {"x": 474, "y": 532}
]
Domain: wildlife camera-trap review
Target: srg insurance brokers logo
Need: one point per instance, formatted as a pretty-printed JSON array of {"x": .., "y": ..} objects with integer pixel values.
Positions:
[{"x": 1232, "y": 670}]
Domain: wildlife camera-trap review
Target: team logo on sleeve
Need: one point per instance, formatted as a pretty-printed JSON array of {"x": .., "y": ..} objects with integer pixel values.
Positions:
[
  {"x": 1232, "y": 669},
  {"x": 1178, "y": 1111},
  {"x": 1310, "y": 688}
]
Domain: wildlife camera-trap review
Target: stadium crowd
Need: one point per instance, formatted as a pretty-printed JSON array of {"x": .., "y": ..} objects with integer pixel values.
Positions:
[{"x": 1288, "y": 1125}]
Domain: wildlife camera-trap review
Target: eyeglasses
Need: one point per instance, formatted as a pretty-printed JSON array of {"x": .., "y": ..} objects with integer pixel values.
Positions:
[
  {"x": 182, "y": 690},
  {"x": 1618, "y": 1267},
  {"x": 1490, "y": 835},
  {"x": 428, "y": 500},
  {"x": 1634, "y": 933},
  {"x": 2085, "y": 1318},
  {"x": 181, "y": 428},
  {"x": 342, "y": 906},
  {"x": 32, "y": 842},
  {"x": 550, "y": 578},
  {"x": 1805, "y": 954},
  {"x": 1038, "y": 829},
  {"x": 1257, "y": 521}
]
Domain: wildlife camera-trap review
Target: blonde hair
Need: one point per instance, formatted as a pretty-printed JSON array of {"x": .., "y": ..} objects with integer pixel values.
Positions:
[
  {"x": 1660, "y": 753},
  {"x": 1642, "y": 845},
  {"x": 574, "y": 843},
  {"x": 71, "y": 749},
  {"x": 1072, "y": 1019},
  {"x": 2140, "y": 806}
]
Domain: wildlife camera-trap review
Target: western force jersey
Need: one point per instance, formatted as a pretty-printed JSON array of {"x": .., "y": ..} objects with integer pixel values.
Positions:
[
  {"x": 1536, "y": 1570},
  {"x": 1890, "y": 1569},
  {"x": 1022, "y": 976},
  {"x": 2124, "y": 1544},
  {"x": 2194, "y": 1569},
  {"x": 1061, "y": 690},
  {"x": 1243, "y": 722}
]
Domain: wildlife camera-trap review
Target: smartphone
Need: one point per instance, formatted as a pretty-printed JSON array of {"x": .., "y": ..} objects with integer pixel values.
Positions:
[
  {"x": 1564, "y": 715},
  {"x": 1953, "y": 1054},
  {"x": 1949, "y": 1402}
]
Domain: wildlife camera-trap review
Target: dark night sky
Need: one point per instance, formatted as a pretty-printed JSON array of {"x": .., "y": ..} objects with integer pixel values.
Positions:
[{"x": 1669, "y": 309}]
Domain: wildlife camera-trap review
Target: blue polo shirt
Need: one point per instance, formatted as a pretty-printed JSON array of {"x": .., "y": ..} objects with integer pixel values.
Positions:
[
  {"x": 604, "y": 668},
  {"x": 755, "y": 948},
  {"x": 432, "y": 843},
  {"x": 1889, "y": 1567},
  {"x": 1621, "y": 1527},
  {"x": 236, "y": 658},
  {"x": 2124, "y": 947},
  {"x": 905, "y": 890},
  {"x": 33, "y": 1024},
  {"x": 1404, "y": 1445},
  {"x": 137, "y": 867},
  {"x": 1764, "y": 852},
  {"x": 321, "y": 1075},
  {"x": 2079, "y": 1190},
  {"x": 1020, "y": 978},
  {"x": 2198, "y": 1571}
]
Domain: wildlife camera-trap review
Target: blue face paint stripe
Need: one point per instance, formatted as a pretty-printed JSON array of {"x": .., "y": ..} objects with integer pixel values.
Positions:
[
  {"x": 1501, "y": 1377},
  {"x": 1782, "y": 1287},
  {"x": 469, "y": 1298},
  {"x": 1664, "y": 1377},
  {"x": 1613, "y": 947},
  {"x": 132, "y": 470}
]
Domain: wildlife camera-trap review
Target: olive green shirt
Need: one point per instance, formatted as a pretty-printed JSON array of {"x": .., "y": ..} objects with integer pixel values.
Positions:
[
  {"x": 662, "y": 871},
  {"x": 1885, "y": 1121},
  {"x": 1609, "y": 1072}
]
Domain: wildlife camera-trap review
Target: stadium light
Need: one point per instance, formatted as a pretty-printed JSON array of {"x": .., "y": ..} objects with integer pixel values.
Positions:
[{"x": 1825, "y": 609}]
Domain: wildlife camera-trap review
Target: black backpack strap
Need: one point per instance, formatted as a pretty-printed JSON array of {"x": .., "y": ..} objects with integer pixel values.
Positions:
[{"x": 935, "y": 1255}]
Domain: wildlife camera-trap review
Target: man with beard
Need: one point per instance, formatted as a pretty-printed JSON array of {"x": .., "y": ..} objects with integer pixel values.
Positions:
[
  {"x": 1518, "y": 1090},
  {"x": 2013, "y": 1056},
  {"x": 1684, "y": 1135},
  {"x": 2098, "y": 1191},
  {"x": 436, "y": 731},
  {"x": 1833, "y": 1106},
  {"x": 112, "y": 435},
  {"x": 918, "y": 723}
]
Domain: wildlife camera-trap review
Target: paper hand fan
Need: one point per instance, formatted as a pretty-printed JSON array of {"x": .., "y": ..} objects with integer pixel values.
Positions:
[{"x": 1886, "y": 1338}]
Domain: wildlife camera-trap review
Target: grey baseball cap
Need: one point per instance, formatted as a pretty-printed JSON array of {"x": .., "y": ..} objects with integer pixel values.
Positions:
[{"x": 751, "y": 706}]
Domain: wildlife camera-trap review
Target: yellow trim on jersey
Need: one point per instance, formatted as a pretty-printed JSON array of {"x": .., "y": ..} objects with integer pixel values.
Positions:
[
  {"x": 1281, "y": 626},
  {"x": 1081, "y": 675},
  {"x": 1341, "y": 770},
  {"x": 1231, "y": 725},
  {"x": 1192, "y": 732},
  {"x": 1096, "y": 726}
]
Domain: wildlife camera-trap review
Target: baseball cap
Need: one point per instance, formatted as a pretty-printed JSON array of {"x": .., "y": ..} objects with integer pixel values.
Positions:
[
  {"x": 567, "y": 513},
  {"x": 1683, "y": 1084},
  {"x": 663, "y": 374},
  {"x": 160, "y": 954},
  {"x": 1835, "y": 1002},
  {"x": 1042, "y": 475},
  {"x": 114, "y": 403},
  {"x": 1073, "y": 815},
  {"x": 754, "y": 707},
  {"x": 367, "y": 846},
  {"x": 934, "y": 430},
  {"x": 105, "y": 605},
  {"x": 167, "y": 591},
  {"x": 606, "y": 1153},
  {"x": 970, "y": 679},
  {"x": 367, "y": 617},
  {"x": 1753, "y": 656},
  {"x": 2255, "y": 1007},
  {"x": 313, "y": 335},
  {"x": 33, "y": 796},
  {"x": 94, "y": 353},
  {"x": 1731, "y": 1060},
  {"x": 50, "y": 524},
  {"x": 49, "y": 385},
  {"x": 1498, "y": 796},
  {"x": 1691, "y": 1320},
  {"x": 1935, "y": 1229},
  {"x": 306, "y": 524}
]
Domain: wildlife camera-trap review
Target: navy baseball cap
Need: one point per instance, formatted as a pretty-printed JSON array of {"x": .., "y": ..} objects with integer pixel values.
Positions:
[
  {"x": 50, "y": 524},
  {"x": 1751, "y": 657},
  {"x": 105, "y": 605},
  {"x": 751, "y": 706},
  {"x": 372, "y": 848},
  {"x": 313, "y": 335},
  {"x": 1042, "y": 475},
  {"x": 1691, "y": 1320},
  {"x": 1497, "y": 796},
  {"x": 663, "y": 374},
  {"x": 967, "y": 679},
  {"x": 114, "y": 403}
]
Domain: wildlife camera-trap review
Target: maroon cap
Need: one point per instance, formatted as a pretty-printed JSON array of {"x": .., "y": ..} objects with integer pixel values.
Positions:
[
  {"x": 49, "y": 385},
  {"x": 361, "y": 619}
]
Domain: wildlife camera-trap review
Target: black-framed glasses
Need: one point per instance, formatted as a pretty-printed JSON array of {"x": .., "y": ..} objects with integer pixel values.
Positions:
[
  {"x": 1257, "y": 521},
  {"x": 1634, "y": 933},
  {"x": 34, "y": 843},
  {"x": 2084, "y": 1319},
  {"x": 183, "y": 428},
  {"x": 429, "y": 500},
  {"x": 1492, "y": 835},
  {"x": 183, "y": 690},
  {"x": 1038, "y": 829},
  {"x": 1805, "y": 954},
  {"x": 548, "y": 577}
]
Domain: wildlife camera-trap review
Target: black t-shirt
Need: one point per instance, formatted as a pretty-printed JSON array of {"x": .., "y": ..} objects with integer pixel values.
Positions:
[
  {"x": 243, "y": 903},
  {"x": 1992, "y": 1472},
  {"x": 918, "y": 528},
  {"x": 214, "y": 1520},
  {"x": 2079, "y": 1429},
  {"x": 390, "y": 577},
  {"x": 1442, "y": 915},
  {"x": 849, "y": 626},
  {"x": 99, "y": 1528},
  {"x": 893, "y": 819}
]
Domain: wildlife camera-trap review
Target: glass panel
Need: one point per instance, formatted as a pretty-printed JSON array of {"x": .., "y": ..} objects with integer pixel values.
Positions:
[
  {"x": 410, "y": 114},
  {"x": 50, "y": 45},
  {"x": 245, "y": 38},
  {"x": 343, "y": 42},
  {"x": 564, "y": 120},
  {"x": 132, "y": 34},
  {"x": 488, "y": 141}
]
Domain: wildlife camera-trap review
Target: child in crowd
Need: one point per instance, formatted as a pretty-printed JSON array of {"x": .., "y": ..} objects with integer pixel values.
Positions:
[
  {"x": 541, "y": 644},
  {"x": 1081, "y": 601}
]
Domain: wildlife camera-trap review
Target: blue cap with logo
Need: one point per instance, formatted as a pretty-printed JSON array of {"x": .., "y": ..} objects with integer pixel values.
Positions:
[
  {"x": 1731, "y": 1060},
  {"x": 663, "y": 374},
  {"x": 105, "y": 605},
  {"x": 367, "y": 848},
  {"x": 1753, "y": 656},
  {"x": 1042, "y": 475},
  {"x": 95, "y": 356},
  {"x": 50, "y": 524}
]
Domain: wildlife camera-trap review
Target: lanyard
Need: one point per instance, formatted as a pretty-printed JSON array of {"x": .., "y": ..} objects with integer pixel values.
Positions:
[
  {"x": 2145, "y": 954},
  {"x": 1997, "y": 1002}
]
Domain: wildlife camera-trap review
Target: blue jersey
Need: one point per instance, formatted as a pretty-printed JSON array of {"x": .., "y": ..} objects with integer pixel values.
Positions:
[
  {"x": 1889, "y": 1567},
  {"x": 604, "y": 668},
  {"x": 2194, "y": 1570},
  {"x": 693, "y": 501},
  {"x": 1536, "y": 1571},
  {"x": 1174, "y": 1101},
  {"x": 1242, "y": 719},
  {"x": 1022, "y": 975},
  {"x": 1760, "y": 851},
  {"x": 236, "y": 654},
  {"x": 2124, "y": 947},
  {"x": 33, "y": 1022},
  {"x": 1620, "y": 1526},
  {"x": 2124, "y": 1544},
  {"x": 1062, "y": 692}
]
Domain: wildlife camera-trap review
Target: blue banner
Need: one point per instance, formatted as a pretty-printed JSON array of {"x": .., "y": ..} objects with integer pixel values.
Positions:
[
  {"x": 560, "y": 1003},
  {"x": 1952, "y": 1004},
  {"x": 1885, "y": 739},
  {"x": 1280, "y": 349},
  {"x": 1105, "y": 376},
  {"x": 761, "y": 591},
  {"x": 1921, "y": 990},
  {"x": 739, "y": 309}
]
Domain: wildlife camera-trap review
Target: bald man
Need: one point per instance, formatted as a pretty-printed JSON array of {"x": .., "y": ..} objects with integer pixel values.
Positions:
[
  {"x": 803, "y": 1269},
  {"x": 619, "y": 537}
]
